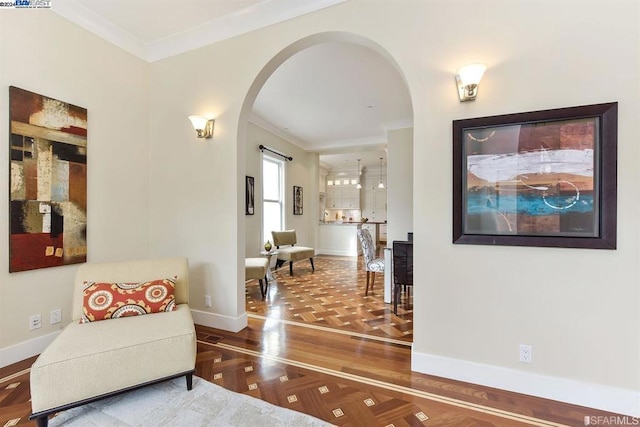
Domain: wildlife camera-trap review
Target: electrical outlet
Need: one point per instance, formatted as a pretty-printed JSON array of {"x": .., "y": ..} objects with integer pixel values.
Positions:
[
  {"x": 35, "y": 322},
  {"x": 526, "y": 353},
  {"x": 55, "y": 316},
  {"x": 207, "y": 300}
]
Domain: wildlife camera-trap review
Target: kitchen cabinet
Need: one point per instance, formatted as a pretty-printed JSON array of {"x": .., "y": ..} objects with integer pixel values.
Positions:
[
  {"x": 343, "y": 197},
  {"x": 383, "y": 232}
]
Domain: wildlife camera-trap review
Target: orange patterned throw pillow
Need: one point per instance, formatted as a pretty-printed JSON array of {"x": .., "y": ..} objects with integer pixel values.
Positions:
[{"x": 112, "y": 300}]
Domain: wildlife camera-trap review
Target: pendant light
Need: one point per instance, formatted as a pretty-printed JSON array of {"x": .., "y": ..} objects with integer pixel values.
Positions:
[
  {"x": 381, "y": 185},
  {"x": 359, "y": 186}
]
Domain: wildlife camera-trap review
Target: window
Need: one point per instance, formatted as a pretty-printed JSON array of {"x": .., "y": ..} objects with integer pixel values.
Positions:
[{"x": 272, "y": 195}]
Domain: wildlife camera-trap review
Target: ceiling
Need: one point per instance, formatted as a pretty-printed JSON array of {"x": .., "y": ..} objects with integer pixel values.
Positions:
[{"x": 337, "y": 99}]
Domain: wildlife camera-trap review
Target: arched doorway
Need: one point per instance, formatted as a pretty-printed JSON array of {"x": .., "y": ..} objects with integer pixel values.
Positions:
[{"x": 299, "y": 48}]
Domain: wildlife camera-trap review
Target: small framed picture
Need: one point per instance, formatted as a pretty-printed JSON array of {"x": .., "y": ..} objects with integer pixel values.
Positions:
[
  {"x": 249, "y": 198},
  {"x": 297, "y": 200}
]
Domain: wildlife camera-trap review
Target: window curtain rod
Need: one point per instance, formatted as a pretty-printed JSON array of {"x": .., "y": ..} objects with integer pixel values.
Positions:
[{"x": 262, "y": 148}]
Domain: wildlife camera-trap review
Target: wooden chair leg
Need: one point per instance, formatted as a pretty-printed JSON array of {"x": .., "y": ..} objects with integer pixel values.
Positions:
[
  {"x": 366, "y": 291},
  {"x": 313, "y": 269},
  {"x": 373, "y": 279},
  {"x": 290, "y": 268},
  {"x": 396, "y": 296},
  {"x": 261, "y": 288},
  {"x": 266, "y": 287},
  {"x": 189, "y": 378}
]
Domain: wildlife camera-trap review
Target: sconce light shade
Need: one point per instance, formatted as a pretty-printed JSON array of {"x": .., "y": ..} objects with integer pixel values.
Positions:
[
  {"x": 468, "y": 79},
  {"x": 203, "y": 126}
]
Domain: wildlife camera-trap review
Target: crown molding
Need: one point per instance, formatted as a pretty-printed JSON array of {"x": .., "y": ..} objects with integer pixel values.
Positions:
[
  {"x": 96, "y": 24},
  {"x": 343, "y": 144},
  {"x": 263, "y": 123},
  {"x": 398, "y": 124},
  {"x": 243, "y": 21}
]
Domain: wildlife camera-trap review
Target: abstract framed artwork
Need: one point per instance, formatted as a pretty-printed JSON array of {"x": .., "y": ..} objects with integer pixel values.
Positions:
[
  {"x": 249, "y": 201},
  {"x": 48, "y": 182},
  {"x": 543, "y": 178},
  {"x": 297, "y": 200}
]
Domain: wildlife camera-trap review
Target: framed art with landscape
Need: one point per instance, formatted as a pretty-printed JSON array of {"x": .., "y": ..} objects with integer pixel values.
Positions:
[{"x": 543, "y": 178}]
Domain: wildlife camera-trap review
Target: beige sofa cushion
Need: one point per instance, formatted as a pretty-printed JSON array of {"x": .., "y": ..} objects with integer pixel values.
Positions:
[
  {"x": 87, "y": 360},
  {"x": 255, "y": 268},
  {"x": 284, "y": 238},
  {"x": 294, "y": 253}
]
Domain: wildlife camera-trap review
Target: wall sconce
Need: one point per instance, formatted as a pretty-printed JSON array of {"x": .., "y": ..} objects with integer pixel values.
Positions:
[
  {"x": 203, "y": 126},
  {"x": 468, "y": 79}
]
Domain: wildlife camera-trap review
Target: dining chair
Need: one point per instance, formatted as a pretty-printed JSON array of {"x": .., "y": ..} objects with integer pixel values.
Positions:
[
  {"x": 372, "y": 265},
  {"x": 402, "y": 269}
]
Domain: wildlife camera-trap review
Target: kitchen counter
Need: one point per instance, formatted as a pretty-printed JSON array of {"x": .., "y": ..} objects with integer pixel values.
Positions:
[{"x": 338, "y": 238}]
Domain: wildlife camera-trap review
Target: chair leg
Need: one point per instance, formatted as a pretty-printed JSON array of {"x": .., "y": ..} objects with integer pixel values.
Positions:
[
  {"x": 266, "y": 287},
  {"x": 366, "y": 291},
  {"x": 261, "y": 288},
  {"x": 42, "y": 421},
  {"x": 312, "y": 267},
  {"x": 396, "y": 296},
  {"x": 290, "y": 268},
  {"x": 373, "y": 279},
  {"x": 189, "y": 378},
  {"x": 279, "y": 263}
]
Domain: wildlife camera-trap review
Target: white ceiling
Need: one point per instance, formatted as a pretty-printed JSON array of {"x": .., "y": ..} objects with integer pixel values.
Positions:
[{"x": 338, "y": 99}]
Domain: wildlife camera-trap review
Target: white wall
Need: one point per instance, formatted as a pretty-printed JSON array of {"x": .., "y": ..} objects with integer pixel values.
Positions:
[
  {"x": 577, "y": 308},
  {"x": 472, "y": 302},
  {"x": 302, "y": 172},
  {"x": 400, "y": 184},
  {"x": 44, "y": 53}
]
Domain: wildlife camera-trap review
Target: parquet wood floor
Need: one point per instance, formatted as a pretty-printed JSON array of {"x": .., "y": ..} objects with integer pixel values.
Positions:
[
  {"x": 343, "y": 371},
  {"x": 332, "y": 297}
]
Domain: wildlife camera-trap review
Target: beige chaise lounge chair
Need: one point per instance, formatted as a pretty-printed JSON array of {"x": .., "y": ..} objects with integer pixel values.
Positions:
[{"x": 91, "y": 361}]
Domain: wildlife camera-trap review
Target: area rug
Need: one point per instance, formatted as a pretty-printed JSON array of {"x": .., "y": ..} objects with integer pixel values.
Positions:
[{"x": 170, "y": 404}]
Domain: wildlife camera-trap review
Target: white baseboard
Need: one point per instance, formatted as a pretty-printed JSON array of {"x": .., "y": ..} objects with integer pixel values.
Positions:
[
  {"x": 25, "y": 349},
  {"x": 219, "y": 321},
  {"x": 591, "y": 395},
  {"x": 335, "y": 252}
]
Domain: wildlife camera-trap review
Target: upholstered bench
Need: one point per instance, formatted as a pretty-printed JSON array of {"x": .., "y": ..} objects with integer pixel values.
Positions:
[
  {"x": 90, "y": 361},
  {"x": 256, "y": 268},
  {"x": 286, "y": 241}
]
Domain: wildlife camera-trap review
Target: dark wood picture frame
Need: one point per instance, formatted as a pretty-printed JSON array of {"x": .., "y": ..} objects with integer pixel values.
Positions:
[
  {"x": 543, "y": 178},
  {"x": 249, "y": 198},
  {"x": 297, "y": 200}
]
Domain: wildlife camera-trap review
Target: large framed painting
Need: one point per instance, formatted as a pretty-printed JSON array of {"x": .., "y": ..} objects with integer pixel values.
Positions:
[
  {"x": 249, "y": 200},
  {"x": 48, "y": 182},
  {"x": 543, "y": 178},
  {"x": 297, "y": 200}
]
